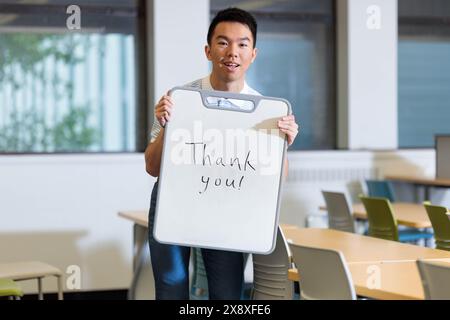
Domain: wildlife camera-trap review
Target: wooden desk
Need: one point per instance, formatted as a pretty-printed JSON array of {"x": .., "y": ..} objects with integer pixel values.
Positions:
[
  {"x": 139, "y": 217},
  {"x": 359, "y": 252},
  {"x": 426, "y": 182},
  {"x": 394, "y": 262},
  {"x": 407, "y": 214},
  {"x": 398, "y": 280},
  {"x": 359, "y": 248}
]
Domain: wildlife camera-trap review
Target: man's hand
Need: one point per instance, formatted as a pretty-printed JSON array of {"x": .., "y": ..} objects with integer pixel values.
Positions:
[
  {"x": 289, "y": 127},
  {"x": 163, "y": 110}
]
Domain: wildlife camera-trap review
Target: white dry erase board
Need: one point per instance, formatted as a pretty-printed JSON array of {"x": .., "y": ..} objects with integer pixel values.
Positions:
[{"x": 221, "y": 171}]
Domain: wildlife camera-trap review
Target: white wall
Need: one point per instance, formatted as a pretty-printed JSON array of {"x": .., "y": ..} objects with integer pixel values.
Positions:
[
  {"x": 367, "y": 74},
  {"x": 179, "y": 37},
  {"x": 62, "y": 209}
]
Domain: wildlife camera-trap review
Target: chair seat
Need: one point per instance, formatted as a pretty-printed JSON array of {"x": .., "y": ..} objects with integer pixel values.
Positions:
[
  {"x": 9, "y": 288},
  {"x": 413, "y": 235}
]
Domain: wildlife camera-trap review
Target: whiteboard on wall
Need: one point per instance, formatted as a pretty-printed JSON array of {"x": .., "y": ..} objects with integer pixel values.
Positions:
[{"x": 221, "y": 171}]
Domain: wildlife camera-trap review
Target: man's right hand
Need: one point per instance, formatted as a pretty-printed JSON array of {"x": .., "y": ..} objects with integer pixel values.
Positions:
[{"x": 163, "y": 110}]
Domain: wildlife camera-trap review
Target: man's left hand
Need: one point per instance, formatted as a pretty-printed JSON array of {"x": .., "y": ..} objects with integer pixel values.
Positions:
[{"x": 289, "y": 127}]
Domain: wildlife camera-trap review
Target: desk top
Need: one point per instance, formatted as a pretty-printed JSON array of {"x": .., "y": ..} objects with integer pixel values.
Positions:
[
  {"x": 426, "y": 181},
  {"x": 385, "y": 280},
  {"x": 369, "y": 259},
  {"x": 139, "y": 217},
  {"x": 356, "y": 248},
  {"x": 27, "y": 270},
  {"x": 359, "y": 248},
  {"x": 407, "y": 214}
]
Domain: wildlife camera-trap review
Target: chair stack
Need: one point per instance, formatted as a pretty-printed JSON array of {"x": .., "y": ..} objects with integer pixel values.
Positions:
[
  {"x": 199, "y": 287},
  {"x": 270, "y": 273}
]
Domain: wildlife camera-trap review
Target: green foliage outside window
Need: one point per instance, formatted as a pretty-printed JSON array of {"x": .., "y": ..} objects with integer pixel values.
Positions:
[{"x": 25, "y": 129}]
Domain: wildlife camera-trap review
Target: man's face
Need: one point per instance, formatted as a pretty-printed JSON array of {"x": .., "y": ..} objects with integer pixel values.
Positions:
[{"x": 231, "y": 51}]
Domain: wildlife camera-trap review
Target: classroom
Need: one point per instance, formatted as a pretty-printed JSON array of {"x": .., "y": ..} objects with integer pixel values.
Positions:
[{"x": 169, "y": 149}]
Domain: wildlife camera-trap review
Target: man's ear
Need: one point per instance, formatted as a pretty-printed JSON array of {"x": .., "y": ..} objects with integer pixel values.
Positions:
[
  {"x": 254, "y": 54},
  {"x": 208, "y": 52}
]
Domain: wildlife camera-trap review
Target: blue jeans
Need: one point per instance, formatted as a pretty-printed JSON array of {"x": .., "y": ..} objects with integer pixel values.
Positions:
[{"x": 224, "y": 269}]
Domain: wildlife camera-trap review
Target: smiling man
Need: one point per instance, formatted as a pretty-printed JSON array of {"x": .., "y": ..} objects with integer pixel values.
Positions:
[{"x": 231, "y": 49}]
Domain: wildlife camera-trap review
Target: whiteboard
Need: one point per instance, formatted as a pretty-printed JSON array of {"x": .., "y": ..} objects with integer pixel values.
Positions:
[{"x": 221, "y": 171}]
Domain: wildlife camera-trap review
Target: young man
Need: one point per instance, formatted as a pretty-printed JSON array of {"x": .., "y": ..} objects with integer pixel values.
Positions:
[{"x": 231, "y": 50}]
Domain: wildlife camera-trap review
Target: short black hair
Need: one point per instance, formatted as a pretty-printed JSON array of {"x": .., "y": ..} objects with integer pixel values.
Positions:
[{"x": 233, "y": 15}]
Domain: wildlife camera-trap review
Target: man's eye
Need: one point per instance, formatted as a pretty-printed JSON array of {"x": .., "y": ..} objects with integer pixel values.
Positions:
[
  {"x": 244, "y": 45},
  {"x": 222, "y": 43}
]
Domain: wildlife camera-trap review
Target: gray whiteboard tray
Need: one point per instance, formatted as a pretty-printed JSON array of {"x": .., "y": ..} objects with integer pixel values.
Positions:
[{"x": 221, "y": 171}]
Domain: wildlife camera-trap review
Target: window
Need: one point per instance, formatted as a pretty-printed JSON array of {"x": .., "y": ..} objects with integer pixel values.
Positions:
[
  {"x": 424, "y": 71},
  {"x": 296, "y": 61},
  {"x": 67, "y": 90}
]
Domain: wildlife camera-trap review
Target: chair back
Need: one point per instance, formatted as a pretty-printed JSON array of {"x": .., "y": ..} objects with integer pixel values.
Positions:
[
  {"x": 382, "y": 223},
  {"x": 380, "y": 189},
  {"x": 435, "y": 280},
  {"x": 440, "y": 220},
  {"x": 323, "y": 273},
  {"x": 339, "y": 214}
]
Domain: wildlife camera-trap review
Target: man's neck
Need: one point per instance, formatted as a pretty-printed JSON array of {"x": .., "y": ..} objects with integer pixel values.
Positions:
[{"x": 235, "y": 86}]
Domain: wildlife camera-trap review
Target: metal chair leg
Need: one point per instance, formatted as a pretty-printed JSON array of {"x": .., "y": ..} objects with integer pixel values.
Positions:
[
  {"x": 60, "y": 291},
  {"x": 40, "y": 294}
]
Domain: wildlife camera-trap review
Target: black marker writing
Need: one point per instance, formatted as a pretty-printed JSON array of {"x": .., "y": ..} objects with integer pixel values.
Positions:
[
  {"x": 206, "y": 160},
  {"x": 229, "y": 183},
  {"x": 220, "y": 161}
]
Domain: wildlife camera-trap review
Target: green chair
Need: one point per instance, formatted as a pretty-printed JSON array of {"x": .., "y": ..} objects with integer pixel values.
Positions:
[
  {"x": 440, "y": 220},
  {"x": 8, "y": 288},
  {"x": 382, "y": 223}
]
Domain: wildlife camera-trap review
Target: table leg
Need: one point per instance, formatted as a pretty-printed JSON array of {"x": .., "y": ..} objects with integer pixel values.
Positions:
[
  {"x": 140, "y": 241},
  {"x": 426, "y": 193},
  {"x": 40, "y": 294},
  {"x": 140, "y": 235}
]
